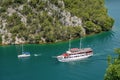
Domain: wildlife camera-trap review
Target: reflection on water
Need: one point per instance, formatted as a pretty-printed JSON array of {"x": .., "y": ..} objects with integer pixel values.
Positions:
[{"x": 24, "y": 59}]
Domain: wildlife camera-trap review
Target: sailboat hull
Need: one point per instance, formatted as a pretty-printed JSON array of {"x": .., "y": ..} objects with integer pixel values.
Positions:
[{"x": 23, "y": 55}]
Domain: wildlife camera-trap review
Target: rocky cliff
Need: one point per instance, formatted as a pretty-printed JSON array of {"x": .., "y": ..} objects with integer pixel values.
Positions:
[{"x": 41, "y": 21}]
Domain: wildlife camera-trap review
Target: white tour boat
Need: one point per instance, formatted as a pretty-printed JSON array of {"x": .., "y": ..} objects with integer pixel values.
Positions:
[
  {"x": 75, "y": 54},
  {"x": 24, "y": 54}
]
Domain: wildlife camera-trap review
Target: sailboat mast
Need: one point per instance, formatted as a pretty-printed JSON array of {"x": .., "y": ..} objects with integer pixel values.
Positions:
[
  {"x": 70, "y": 42},
  {"x": 22, "y": 48},
  {"x": 80, "y": 43}
]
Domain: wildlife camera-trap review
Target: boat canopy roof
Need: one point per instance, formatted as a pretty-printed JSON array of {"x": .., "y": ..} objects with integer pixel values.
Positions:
[
  {"x": 25, "y": 52},
  {"x": 65, "y": 55},
  {"x": 77, "y": 50},
  {"x": 74, "y": 49}
]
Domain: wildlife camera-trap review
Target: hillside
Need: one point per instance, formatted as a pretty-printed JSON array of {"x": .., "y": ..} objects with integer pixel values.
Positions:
[{"x": 43, "y": 21}]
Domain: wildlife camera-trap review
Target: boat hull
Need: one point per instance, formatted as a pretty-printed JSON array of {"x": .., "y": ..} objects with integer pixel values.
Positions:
[{"x": 23, "y": 55}]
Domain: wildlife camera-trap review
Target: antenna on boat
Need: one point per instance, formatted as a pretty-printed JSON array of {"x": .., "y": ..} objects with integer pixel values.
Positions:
[
  {"x": 80, "y": 43},
  {"x": 70, "y": 42}
]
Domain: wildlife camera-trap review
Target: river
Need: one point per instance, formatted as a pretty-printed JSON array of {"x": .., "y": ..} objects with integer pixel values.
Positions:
[{"x": 42, "y": 64}]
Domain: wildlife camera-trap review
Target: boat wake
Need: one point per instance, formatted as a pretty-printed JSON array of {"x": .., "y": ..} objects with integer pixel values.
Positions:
[
  {"x": 37, "y": 54},
  {"x": 99, "y": 54},
  {"x": 54, "y": 56}
]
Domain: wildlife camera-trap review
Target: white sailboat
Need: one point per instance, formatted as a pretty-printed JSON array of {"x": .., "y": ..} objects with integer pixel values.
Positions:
[
  {"x": 24, "y": 54},
  {"x": 74, "y": 54}
]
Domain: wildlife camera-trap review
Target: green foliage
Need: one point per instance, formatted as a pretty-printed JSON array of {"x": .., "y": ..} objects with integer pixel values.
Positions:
[
  {"x": 118, "y": 52},
  {"x": 33, "y": 3},
  {"x": 92, "y": 27},
  {"x": 40, "y": 24},
  {"x": 93, "y": 11},
  {"x": 6, "y": 2},
  {"x": 0, "y": 39},
  {"x": 18, "y": 28},
  {"x": 41, "y": 5},
  {"x": 54, "y": 2},
  {"x": 20, "y": 1},
  {"x": 113, "y": 71},
  {"x": 109, "y": 58},
  {"x": 13, "y": 20},
  {"x": 26, "y": 9},
  {"x": 2, "y": 9}
]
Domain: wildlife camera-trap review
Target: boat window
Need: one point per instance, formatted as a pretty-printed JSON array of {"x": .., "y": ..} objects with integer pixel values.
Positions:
[{"x": 88, "y": 51}]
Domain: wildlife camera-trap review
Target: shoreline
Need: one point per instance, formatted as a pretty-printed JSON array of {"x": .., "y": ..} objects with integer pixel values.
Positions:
[{"x": 60, "y": 41}]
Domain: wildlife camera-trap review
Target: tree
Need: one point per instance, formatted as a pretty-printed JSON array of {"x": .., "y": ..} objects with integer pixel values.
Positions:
[
  {"x": 113, "y": 73},
  {"x": 118, "y": 52},
  {"x": 113, "y": 70},
  {"x": 92, "y": 27}
]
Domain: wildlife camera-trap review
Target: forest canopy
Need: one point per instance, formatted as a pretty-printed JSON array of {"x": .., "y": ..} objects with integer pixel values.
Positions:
[{"x": 41, "y": 21}]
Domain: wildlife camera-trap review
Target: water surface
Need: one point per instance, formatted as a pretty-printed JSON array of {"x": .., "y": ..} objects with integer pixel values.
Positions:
[{"x": 42, "y": 65}]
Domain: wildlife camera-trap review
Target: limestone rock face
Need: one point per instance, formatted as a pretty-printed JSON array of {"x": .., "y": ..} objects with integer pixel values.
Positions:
[
  {"x": 41, "y": 21},
  {"x": 64, "y": 17}
]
